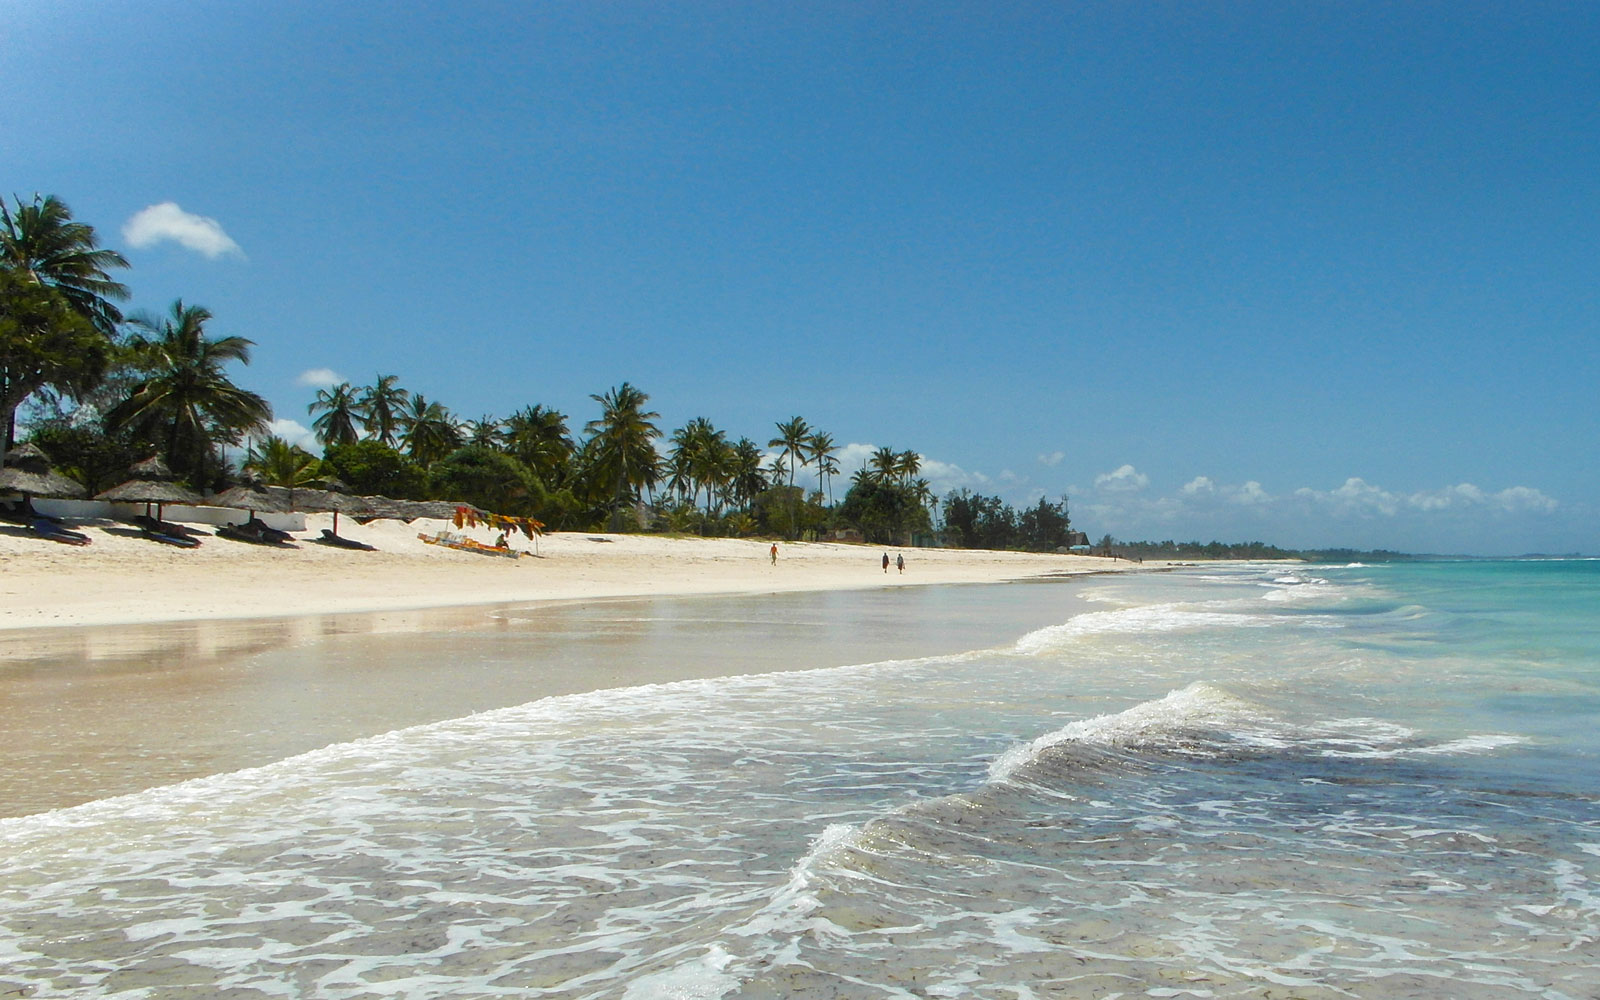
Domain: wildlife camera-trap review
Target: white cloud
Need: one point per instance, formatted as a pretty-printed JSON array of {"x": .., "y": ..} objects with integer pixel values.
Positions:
[
  {"x": 1360, "y": 498},
  {"x": 1052, "y": 459},
  {"x": 319, "y": 378},
  {"x": 1125, "y": 479},
  {"x": 854, "y": 456},
  {"x": 1250, "y": 493},
  {"x": 295, "y": 433},
  {"x": 1525, "y": 498},
  {"x": 167, "y": 221},
  {"x": 943, "y": 477},
  {"x": 1357, "y": 513}
]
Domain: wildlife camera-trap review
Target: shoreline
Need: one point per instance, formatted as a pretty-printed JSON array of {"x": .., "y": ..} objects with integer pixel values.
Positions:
[
  {"x": 101, "y": 711},
  {"x": 124, "y": 579}
]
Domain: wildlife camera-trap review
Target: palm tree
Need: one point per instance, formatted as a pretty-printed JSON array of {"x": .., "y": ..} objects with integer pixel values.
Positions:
[
  {"x": 186, "y": 401},
  {"x": 701, "y": 458},
  {"x": 885, "y": 464},
  {"x": 380, "y": 407},
  {"x": 820, "y": 449},
  {"x": 280, "y": 463},
  {"x": 906, "y": 465},
  {"x": 539, "y": 439},
  {"x": 487, "y": 431},
  {"x": 56, "y": 310},
  {"x": 745, "y": 479},
  {"x": 624, "y": 444},
  {"x": 340, "y": 411},
  {"x": 791, "y": 440},
  {"x": 41, "y": 241},
  {"x": 430, "y": 432}
]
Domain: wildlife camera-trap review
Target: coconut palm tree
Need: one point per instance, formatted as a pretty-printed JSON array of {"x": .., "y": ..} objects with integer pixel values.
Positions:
[
  {"x": 885, "y": 464},
  {"x": 745, "y": 479},
  {"x": 43, "y": 242},
  {"x": 380, "y": 405},
  {"x": 56, "y": 315},
  {"x": 340, "y": 412},
  {"x": 624, "y": 451},
  {"x": 791, "y": 441},
  {"x": 906, "y": 465},
  {"x": 280, "y": 463},
  {"x": 186, "y": 401},
  {"x": 45, "y": 346},
  {"x": 538, "y": 438},
  {"x": 821, "y": 451},
  {"x": 429, "y": 431},
  {"x": 487, "y": 431}
]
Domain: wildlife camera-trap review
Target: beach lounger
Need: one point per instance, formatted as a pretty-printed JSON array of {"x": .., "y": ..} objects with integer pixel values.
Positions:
[
  {"x": 49, "y": 527},
  {"x": 339, "y": 541},
  {"x": 148, "y": 523},
  {"x": 180, "y": 541},
  {"x": 255, "y": 533}
]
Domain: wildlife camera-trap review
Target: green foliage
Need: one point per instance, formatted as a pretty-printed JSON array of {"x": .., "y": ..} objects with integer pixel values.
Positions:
[
  {"x": 974, "y": 521},
  {"x": 787, "y": 511},
  {"x": 372, "y": 468},
  {"x": 885, "y": 512},
  {"x": 44, "y": 343},
  {"x": 380, "y": 407},
  {"x": 186, "y": 401},
  {"x": 1044, "y": 527},
  {"x": 339, "y": 413},
  {"x": 87, "y": 453},
  {"x": 279, "y": 463},
  {"x": 42, "y": 243},
  {"x": 489, "y": 480},
  {"x": 538, "y": 438},
  {"x": 621, "y": 450},
  {"x": 430, "y": 431}
]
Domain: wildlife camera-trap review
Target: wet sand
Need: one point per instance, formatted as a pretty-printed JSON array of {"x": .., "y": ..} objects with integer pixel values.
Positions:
[{"x": 88, "y": 713}]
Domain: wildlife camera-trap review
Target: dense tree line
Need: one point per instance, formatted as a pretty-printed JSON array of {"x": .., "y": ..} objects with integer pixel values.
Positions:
[
  {"x": 975, "y": 521},
  {"x": 105, "y": 391}
]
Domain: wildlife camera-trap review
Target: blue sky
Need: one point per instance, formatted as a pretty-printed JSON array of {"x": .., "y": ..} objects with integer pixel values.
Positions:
[{"x": 1312, "y": 273}]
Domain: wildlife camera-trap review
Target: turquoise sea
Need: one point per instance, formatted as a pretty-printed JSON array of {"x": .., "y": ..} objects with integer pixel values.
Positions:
[{"x": 1273, "y": 781}]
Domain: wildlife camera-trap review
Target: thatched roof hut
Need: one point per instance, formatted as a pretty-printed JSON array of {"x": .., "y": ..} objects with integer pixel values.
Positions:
[
  {"x": 27, "y": 471},
  {"x": 152, "y": 483}
]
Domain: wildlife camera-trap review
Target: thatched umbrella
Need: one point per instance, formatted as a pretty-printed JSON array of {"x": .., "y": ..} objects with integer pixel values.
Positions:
[
  {"x": 329, "y": 500},
  {"x": 152, "y": 483},
  {"x": 27, "y": 471},
  {"x": 250, "y": 497}
]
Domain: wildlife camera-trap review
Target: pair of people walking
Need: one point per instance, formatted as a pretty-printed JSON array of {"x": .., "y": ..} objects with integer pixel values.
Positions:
[{"x": 899, "y": 562}]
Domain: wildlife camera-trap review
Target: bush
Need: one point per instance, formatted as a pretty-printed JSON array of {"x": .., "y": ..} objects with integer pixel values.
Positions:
[{"x": 372, "y": 468}]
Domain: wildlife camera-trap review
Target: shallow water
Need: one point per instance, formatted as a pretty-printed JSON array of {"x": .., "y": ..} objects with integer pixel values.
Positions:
[{"x": 1351, "y": 782}]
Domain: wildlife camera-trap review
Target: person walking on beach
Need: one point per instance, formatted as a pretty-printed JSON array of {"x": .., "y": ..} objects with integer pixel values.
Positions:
[
  {"x": 886, "y": 562},
  {"x": 774, "y": 553},
  {"x": 900, "y": 563}
]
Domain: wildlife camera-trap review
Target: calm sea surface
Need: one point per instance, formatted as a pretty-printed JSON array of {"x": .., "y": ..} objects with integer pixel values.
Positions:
[{"x": 1259, "y": 781}]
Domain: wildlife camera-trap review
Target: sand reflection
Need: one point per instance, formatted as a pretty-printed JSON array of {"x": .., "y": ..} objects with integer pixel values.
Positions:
[{"x": 89, "y": 713}]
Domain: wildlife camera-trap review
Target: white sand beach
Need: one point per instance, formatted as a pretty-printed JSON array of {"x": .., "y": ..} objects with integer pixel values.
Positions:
[{"x": 122, "y": 578}]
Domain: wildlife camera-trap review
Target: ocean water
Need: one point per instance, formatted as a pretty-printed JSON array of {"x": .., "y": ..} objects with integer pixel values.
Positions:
[{"x": 1252, "y": 781}]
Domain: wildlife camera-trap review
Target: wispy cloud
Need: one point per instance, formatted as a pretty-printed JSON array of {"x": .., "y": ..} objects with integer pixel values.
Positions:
[
  {"x": 1053, "y": 459},
  {"x": 1459, "y": 518},
  {"x": 167, "y": 221},
  {"x": 319, "y": 378}
]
